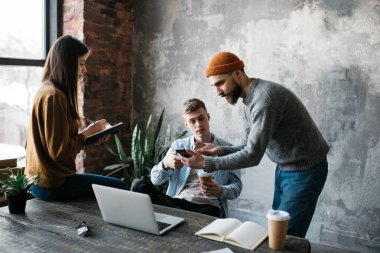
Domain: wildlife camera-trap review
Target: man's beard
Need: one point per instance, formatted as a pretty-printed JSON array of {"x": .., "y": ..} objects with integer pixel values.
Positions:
[{"x": 233, "y": 96}]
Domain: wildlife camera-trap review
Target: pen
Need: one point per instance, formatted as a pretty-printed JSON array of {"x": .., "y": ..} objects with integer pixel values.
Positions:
[
  {"x": 91, "y": 122},
  {"x": 94, "y": 121}
]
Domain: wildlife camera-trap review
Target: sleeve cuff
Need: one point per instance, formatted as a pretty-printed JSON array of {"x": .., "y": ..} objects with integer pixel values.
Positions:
[
  {"x": 164, "y": 171},
  {"x": 210, "y": 164}
]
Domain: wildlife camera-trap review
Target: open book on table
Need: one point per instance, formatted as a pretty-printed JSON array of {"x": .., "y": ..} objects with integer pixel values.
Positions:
[
  {"x": 109, "y": 130},
  {"x": 248, "y": 235}
]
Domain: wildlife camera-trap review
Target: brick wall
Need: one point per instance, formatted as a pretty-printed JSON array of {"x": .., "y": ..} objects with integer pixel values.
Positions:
[{"x": 106, "y": 27}]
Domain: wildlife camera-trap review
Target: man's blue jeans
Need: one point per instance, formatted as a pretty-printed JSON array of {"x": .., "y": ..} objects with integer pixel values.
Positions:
[
  {"x": 297, "y": 193},
  {"x": 76, "y": 186}
]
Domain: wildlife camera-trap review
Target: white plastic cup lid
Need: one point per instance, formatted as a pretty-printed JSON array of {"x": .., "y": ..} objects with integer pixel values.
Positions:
[
  {"x": 202, "y": 173},
  {"x": 277, "y": 215}
]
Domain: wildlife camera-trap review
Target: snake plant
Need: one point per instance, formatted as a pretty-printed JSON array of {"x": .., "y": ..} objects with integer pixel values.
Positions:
[{"x": 147, "y": 149}]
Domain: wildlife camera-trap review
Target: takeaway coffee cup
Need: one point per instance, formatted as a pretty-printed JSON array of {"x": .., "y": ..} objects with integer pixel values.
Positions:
[
  {"x": 204, "y": 176},
  {"x": 277, "y": 228}
]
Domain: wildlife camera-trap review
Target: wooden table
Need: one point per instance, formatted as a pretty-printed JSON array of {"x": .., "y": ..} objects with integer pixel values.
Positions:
[{"x": 51, "y": 227}]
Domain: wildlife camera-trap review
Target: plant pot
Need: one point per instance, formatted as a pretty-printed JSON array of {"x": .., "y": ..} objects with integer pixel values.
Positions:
[{"x": 16, "y": 203}]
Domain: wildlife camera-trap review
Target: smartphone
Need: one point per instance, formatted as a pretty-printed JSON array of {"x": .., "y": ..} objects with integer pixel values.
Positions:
[{"x": 182, "y": 152}]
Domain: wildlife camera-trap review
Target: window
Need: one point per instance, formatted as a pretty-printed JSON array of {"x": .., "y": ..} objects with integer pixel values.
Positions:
[{"x": 28, "y": 29}]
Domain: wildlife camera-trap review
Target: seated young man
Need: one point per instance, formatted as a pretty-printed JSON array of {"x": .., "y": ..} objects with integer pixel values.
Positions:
[{"x": 185, "y": 190}]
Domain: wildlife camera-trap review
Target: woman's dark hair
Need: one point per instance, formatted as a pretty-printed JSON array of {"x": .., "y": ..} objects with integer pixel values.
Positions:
[{"x": 61, "y": 68}]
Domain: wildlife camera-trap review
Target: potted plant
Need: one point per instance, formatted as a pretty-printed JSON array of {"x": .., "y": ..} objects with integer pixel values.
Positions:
[
  {"x": 147, "y": 148},
  {"x": 16, "y": 188}
]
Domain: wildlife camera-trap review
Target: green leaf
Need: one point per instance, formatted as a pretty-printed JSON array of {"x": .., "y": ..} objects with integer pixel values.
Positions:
[
  {"x": 136, "y": 150},
  {"x": 149, "y": 147},
  {"x": 111, "y": 150},
  {"x": 168, "y": 137},
  {"x": 158, "y": 127},
  {"x": 180, "y": 135},
  {"x": 120, "y": 149},
  {"x": 148, "y": 123}
]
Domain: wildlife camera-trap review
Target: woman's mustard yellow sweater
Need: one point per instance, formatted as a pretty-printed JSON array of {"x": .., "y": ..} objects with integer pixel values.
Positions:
[{"x": 53, "y": 140}]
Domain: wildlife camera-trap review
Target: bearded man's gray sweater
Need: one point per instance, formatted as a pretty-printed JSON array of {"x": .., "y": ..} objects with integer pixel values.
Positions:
[{"x": 278, "y": 124}]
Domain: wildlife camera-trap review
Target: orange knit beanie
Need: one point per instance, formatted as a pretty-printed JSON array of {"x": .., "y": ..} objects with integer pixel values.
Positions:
[{"x": 222, "y": 63}]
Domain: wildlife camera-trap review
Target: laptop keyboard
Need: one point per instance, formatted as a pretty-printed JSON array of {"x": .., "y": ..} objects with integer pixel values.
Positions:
[{"x": 162, "y": 225}]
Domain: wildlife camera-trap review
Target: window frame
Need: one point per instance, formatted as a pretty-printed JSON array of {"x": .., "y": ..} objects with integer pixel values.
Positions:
[{"x": 53, "y": 17}]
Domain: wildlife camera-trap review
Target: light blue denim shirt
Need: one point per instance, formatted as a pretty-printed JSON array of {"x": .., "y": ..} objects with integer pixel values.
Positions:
[{"x": 229, "y": 180}]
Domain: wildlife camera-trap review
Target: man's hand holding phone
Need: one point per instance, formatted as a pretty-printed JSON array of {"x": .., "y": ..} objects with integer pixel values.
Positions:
[
  {"x": 182, "y": 152},
  {"x": 172, "y": 161}
]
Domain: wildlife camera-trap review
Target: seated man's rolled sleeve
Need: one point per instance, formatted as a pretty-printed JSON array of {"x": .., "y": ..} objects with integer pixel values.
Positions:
[
  {"x": 159, "y": 175},
  {"x": 233, "y": 189}
]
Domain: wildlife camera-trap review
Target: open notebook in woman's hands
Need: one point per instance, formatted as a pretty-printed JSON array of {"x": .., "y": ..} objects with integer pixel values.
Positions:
[
  {"x": 109, "y": 130},
  {"x": 248, "y": 235}
]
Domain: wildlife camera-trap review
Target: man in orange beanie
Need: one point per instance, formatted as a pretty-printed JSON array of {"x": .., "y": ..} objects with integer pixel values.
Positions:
[{"x": 278, "y": 124}]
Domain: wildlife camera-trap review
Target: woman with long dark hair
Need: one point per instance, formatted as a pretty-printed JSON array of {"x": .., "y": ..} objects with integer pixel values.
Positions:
[{"x": 54, "y": 139}]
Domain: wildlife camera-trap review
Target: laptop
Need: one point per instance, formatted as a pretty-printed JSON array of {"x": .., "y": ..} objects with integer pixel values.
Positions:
[{"x": 132, "y": 210}]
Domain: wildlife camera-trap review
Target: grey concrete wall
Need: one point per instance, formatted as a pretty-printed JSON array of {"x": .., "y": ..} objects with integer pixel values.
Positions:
[{"x": 327, "y": 52}]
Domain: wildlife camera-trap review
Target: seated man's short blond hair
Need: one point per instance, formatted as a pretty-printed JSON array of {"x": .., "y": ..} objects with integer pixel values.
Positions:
[{"x": 192, "y": 105}]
